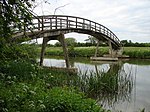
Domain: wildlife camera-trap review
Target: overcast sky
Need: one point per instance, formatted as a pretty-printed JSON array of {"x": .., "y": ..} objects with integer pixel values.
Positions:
[{"x": 128, "y": 19}]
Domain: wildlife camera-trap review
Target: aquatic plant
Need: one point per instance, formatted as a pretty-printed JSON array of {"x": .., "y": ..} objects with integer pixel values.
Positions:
[{"x": 108, "y": 88}]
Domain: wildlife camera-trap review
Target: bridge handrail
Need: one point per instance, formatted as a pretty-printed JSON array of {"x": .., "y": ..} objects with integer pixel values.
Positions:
[{"x": 52, "y": 22}]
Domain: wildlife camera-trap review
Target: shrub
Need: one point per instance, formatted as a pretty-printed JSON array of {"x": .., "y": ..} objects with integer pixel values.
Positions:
[
  {"x": 64, "y": 100},
  {"x": 22, "y": 70},
  {"x": 28, "y": 98}
]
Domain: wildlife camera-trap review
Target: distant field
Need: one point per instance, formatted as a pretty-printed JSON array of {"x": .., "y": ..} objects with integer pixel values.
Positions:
[
  {"x": 133, "y": 52},
  {"x": 137, "y": 52}
]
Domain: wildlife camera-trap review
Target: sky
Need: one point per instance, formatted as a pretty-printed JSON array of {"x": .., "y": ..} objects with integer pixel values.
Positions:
[{"x": 128, "y": 19}]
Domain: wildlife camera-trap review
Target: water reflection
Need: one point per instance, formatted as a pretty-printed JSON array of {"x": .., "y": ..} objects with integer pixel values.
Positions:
[{"x": 113, "y": 85}]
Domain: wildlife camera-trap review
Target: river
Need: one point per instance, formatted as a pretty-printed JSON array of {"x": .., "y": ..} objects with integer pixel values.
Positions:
[{"x": 138, "y": 73}]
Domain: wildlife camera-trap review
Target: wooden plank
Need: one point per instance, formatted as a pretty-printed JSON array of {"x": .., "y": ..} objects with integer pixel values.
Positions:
[{"x": 103, "y": 59}]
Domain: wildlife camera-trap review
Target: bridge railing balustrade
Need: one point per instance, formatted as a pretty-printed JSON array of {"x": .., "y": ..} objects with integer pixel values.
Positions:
[{"x": 55, "y": 22}]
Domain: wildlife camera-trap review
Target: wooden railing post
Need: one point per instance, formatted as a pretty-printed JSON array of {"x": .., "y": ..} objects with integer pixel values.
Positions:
[
  {"x": 50, "y": 23},
  {"x": 56, "y": 22},
  {"x": 95, "y": 27},
  {"x": 76, "y": 22},
  {"x": 83, "y": 24},
  {"x": 90, "y": 25},
  {"x": 67, "y": 22},
  {"x": 42, "y": 23},
  {"x": 60, "y": 23},
  {"x": 38, "y": 24}
]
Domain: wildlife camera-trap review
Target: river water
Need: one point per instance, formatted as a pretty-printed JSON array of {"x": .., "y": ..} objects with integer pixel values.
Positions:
[{"x": 138, "y": 72}]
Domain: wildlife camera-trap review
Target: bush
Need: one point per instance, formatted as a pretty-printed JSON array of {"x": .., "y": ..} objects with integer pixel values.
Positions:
[
  {"x": 28, "y": 98},
  {"x": 22, "y": 70},
  {"x": 18, "y": 51},
  {"x": 137, "y": 52},
  {"x": 64, "y": 100}
]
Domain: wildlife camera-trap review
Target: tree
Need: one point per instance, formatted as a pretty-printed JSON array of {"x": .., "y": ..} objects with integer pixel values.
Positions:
[
  {"x": 70, "y": 41},
  {"x": 14, "y": 15},
  {"x": 91, "y": 40},
  {"x": 57, "y": 44}
]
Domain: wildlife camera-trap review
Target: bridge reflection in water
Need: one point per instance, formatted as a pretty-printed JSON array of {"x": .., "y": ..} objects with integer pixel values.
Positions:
[{"x": 109, "y": 84}]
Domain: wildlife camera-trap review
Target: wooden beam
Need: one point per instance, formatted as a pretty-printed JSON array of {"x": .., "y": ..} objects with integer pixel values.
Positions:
[
  {"x": 98, "y": 42},
  {"x": 61, "y": 38},
  {"x": 45, "y": 40},
  {"x": 110, "y": 49}
]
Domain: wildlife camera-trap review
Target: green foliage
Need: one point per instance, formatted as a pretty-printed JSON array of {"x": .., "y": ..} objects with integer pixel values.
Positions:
[
  {"x": 57, "y": 44},
  {"x": 71, "y": 51},
  {"x": 137, "y": 52},
  {"x": 27, "y": 97},
  {"x": 14, "y": 12},
  {"x": 129, "y": 43},
  {"x": 91, "y": 40},
  {"x": 26, "y": 87},
  {"x": 76, "y": 51},
  {"x": 70, "y": 41},
  {"x": 22, "y": 70},
  {"x": 18, "y": 51},
  {"x": 21, "y": 97},
  {"x": 64, "y": 100},
  {"x": 133, "y": 52},
  {"x": 56, "y": 51}
]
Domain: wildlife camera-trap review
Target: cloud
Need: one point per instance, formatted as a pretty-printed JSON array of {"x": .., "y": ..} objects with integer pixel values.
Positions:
[{"x": 128, "y": 19}]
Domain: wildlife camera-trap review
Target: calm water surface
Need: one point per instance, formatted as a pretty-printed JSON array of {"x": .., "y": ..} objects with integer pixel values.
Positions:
[{"x": 139, "y": 71}]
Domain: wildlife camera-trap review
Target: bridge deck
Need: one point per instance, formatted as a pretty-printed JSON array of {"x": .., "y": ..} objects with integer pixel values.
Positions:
[{"x": 45, "y": 25}]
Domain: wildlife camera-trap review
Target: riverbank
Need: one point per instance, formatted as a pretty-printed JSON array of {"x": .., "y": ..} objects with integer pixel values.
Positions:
[
  {"x": 135, "y": 69},
  {"x": 132, "y": 52},
  {"x": 27, "y": 87}
]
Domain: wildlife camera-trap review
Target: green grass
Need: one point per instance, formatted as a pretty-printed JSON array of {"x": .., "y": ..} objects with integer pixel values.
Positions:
[
  {"x": 27, "y": 87},
  {"x": 133, "y": 52},
  {"x": 78, "y": 51},
  {"x": 137, "y": 52}
]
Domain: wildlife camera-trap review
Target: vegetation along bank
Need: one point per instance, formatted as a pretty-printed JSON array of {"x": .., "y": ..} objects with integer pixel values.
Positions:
[{"x": 132, "y": 52}]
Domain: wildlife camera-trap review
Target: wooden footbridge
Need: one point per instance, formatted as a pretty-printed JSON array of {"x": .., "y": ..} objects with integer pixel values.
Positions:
[{"x": 53, "y": 27}]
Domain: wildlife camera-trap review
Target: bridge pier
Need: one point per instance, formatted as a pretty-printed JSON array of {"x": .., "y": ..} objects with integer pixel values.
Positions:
[
  {"x": 98, "y": 42},
  {"x": 45, "y": 40},
  {"x": 112, "y": 52},
  {"x": 61, "y": 39}
]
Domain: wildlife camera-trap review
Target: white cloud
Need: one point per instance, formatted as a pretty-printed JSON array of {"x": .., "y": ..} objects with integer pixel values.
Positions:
[{"x": 128, "y": 19}]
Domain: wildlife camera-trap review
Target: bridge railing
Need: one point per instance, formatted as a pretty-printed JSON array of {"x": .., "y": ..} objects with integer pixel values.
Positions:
[{"x": 55, "y": 22}]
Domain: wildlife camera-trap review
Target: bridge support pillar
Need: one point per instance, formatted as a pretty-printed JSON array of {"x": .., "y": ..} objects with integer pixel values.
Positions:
[
  {"x": 45, "y": 40},
  {"x": 112, "y": 52},
  {"x": 98, "y": 42},
  {"x": 61, "y": 38}
]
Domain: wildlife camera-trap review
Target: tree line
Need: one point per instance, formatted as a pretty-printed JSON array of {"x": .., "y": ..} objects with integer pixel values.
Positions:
[
  {"x": 129, "y": 43},
  {"x": 91, "y": 41}
]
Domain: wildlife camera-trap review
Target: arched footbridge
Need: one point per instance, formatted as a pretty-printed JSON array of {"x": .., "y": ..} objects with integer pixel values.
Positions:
[{"x": 53, "y": 27}]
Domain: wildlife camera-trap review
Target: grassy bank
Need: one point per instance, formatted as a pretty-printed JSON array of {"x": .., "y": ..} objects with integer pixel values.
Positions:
[
  {"x": 137, "y": 52},
  {"x": 27, "y": 87},
  {"x": 77, "y": 51},
  {"x": 133, "y": 52}
]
